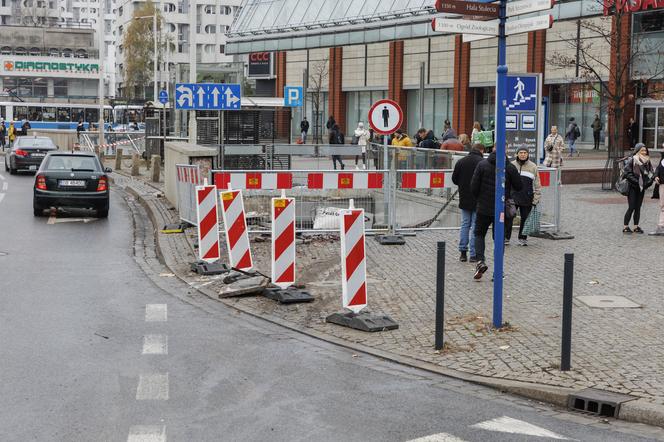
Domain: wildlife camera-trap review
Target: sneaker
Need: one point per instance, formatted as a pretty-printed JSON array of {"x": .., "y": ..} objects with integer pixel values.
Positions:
[
  {"x": 480, "y": 269},
  {"x": 638, "y": 230},
  {"x": 627, "y": 230},
  {"x": 357, "y": 167},
  {"x": 463, "y": 257},
  {"x": 364, "y": 166},
  {"x": 474, "y": 258},
  {"x": 507, "y": 242},
  {"x": 523, "y": 242}
]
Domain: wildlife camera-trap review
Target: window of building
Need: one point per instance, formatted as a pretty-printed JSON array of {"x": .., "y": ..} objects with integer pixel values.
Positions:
[
  {"x": 35, "y": 51},
  {"x": 120, "y": 11},
  {"x": 210, "y": 9},
  {"x": 358, "y": 104},
  {"x": 437, "y": 108},
  {"x": 222, "y": 49},
  {"x": 581, "y": 101},
  {"x": 485, "y": 106},
  {"x": 60, "y": 88},
  {"x": 211, "y": 29}
]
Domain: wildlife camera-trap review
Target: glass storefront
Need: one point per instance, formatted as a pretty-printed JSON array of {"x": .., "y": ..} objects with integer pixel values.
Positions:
[
  {"x": 316, "y": 122},
  {"x": 485, "y": 106},
  {"x": 358, "y": 105},
  {"x": 437, "y": 108},
  {"x": 652, "y": 126},
  {"x": 582, "y": 101}
]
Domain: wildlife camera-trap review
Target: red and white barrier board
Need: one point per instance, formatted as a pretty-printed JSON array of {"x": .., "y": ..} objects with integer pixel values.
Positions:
[
  {"x": 237, "y": 237},
  {"x": 283, "y": 242},
  {"x": 345, "y": 180},
  {"x": 208, "y": 220},
  {"x": 426, "y": 180},
  {"x": 353, "y": 260},
  {"x": 284, "y": 180},
  {"x": 188, "y": 174}
]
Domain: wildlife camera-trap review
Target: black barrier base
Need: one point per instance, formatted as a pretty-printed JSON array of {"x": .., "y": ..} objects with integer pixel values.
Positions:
[
  {"x": 290, "y": 295},
  {"x": 552, "y": 235},
  {"x": 390, "y": 240},
  {"x": 234, "y": 276},
  {"x": 207, "y": 268},
  {"x": 364, "y": 321}
]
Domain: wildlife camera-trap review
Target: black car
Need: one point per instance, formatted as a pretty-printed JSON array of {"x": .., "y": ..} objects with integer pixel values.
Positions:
[
  {"x": 27, "y": 153},
  {"x": 72, "y": 180}
]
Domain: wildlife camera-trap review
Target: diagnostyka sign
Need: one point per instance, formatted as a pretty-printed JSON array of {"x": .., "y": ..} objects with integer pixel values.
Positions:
[
  {"x": 260, "y": 64},
  {"x": 50, "y": 66}
]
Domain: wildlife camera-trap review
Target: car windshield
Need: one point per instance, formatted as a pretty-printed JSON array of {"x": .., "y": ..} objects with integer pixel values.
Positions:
[
  {"x": 71, "y": 162},
  {"x": 34, "y": 142}
]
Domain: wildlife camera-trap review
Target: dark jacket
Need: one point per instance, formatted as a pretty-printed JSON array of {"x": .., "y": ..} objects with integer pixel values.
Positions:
[
  {"x": 483, "y": 184},
  {"x": 633, "y": 179},
  {"x": 336, "y": 136},
  {"x": 659, "y": 173},
  {"x": 330, "y": 123},
  {"x": 429, "y": 141},
  {"x": 462, "y": 175},
  {"x": 304, "y": 126}
]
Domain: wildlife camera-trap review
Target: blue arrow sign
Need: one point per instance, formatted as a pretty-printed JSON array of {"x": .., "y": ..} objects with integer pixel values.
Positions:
[
  {"x": 163, "y": 96},
  {"x": 522, "y": 93},
  {"x": 207, "y": 96}
]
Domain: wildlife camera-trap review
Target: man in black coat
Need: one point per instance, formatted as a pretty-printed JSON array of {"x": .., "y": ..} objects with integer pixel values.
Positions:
[
  {"x": 483, "y": 188},
  {"x": 462, "y": 176}
]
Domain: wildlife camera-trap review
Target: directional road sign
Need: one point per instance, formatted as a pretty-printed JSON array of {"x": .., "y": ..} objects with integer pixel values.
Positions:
[
  {"x": 207, "y": 96},
  {"x": 385, "y": 117},
  {"x": 457, "y": 26},
  {"x": 521, "y": 25},
  {"x": 293, "y": 96},
  {"x": 520, "y": 7},
  {"x": 468, "y": 8},
  {"x": 163, "y": 96}
]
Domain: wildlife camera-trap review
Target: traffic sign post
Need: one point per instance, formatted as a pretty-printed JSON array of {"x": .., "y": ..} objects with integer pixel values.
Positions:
[
  {"x": 523, "y": 110},
  {"x": 293, "y": 96},
  {"x": 208, "y": 96}
]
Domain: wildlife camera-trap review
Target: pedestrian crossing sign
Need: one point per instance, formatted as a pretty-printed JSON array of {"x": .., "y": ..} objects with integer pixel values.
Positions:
[{"x": 522, "y": 93}]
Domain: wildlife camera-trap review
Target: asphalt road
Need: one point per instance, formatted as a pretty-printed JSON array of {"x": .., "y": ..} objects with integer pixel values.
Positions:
[{"x": 100, "y": 343}]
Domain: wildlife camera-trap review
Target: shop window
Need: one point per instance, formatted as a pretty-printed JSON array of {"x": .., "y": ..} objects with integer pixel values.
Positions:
[{"x": 581, "y": 101}]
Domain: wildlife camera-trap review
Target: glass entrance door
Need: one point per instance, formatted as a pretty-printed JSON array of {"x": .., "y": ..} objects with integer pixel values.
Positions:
[{"x": 652, "y": 126}]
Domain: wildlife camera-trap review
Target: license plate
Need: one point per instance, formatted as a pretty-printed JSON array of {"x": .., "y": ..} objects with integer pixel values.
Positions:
[
  {"x": 72, "y": 183},
  {"x": 32, "y": 167},
  {"x": 39, "y": 155}
]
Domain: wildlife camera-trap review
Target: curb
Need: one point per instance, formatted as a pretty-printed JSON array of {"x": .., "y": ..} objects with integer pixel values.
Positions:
[{"x": 637, "y": 411}]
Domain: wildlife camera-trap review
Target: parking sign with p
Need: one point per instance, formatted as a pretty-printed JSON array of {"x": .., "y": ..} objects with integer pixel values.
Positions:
[{"x": 293, "y": 96}]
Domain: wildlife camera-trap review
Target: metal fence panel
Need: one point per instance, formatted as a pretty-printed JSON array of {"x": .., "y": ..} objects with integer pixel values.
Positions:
[{"x": 187, "y": 178}]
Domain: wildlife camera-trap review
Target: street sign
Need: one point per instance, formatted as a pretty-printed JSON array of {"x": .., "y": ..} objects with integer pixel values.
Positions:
[
  {"x": 520, "y": 7},
  {"x": 163, "y": 96},
  {"x": 468, "y": 8},
  {"x": 522, "y": 108},
  {"x": 385, "y": 117},
  {"x": 293, "y": 96},
  {"x": 457, "y": 26},
  {"x": 529, "y": 24},
  {"x": 521, "y": 93},
  {"x": 207, "y": 96}
]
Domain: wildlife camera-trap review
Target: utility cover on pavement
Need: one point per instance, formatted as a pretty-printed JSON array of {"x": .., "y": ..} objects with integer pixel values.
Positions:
[
  {"x": 364, "y": 321},
  {"x": 607, "y": 301},
  {"x": 290, "y": 295},
  {"x": 209, "y": 268}
]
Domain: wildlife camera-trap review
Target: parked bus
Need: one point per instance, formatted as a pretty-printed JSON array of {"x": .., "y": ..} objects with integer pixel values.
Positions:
[{"x": 53, "y": 115}]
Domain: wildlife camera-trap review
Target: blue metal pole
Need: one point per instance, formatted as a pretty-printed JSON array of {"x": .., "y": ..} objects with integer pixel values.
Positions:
[{"x": 499, "y": 223}]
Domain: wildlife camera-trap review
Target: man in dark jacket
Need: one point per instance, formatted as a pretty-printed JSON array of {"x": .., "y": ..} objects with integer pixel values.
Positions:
[
  {"x": 426, "y": 139},
  {"x": 337, "y": 137},
  {"x": 483, "y": 188},
  {"x": 304, "y": 130},
  {"x": 462, "y": 175}
]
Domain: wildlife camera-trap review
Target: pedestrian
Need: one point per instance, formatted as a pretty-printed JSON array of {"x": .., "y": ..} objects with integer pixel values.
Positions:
[
  {"x": 465, "y": 142},
  {"x": 403, "y": 144},
  {"x": 483, "y": 188},
  {"x": 639, "y": 174},
  {"x": 462, "y": 176},
  {"x": 632, "y": 132},
  {"x": 361, "y": 137},
  {"x": 304, "y": 129},
  {"x": 330, "y": 123},
  {"x": 25, "y": 127},
  {"x": 597, "y": 129},
  {"x": 11, "y": 134},
  {"x": 80, "y": 127},
  {"x": 337, "y": 137},
  {"x": 448, "y": 132},
  {"x": 426, "y": 139},
  {"x": 452, "y": 143},
  {"x": 554, "y": 146},
  {"x": 526, "y": 198},
  {"x": 571, "y": 136},
  {"x": 658, "y": 194},
  {"x": 3, "y": 135},
  {"x": 477, "y": 128}
]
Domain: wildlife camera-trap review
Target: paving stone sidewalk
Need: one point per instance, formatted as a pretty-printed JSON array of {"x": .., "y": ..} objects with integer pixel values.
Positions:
[{"x": 618, "y": 350}]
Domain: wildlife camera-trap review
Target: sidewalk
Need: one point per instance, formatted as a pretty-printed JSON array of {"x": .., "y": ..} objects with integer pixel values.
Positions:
[{"x": 613, "y": 349}]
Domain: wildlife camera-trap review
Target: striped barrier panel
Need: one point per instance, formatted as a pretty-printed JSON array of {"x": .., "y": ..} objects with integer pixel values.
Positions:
[
  {"x": 237, "y": 236},
  {"x": 353, "y": 260},
  {"x": 283, "y": 241},
  {"x": 208, "y": 220},
  {"x": 187, "y": 177}
]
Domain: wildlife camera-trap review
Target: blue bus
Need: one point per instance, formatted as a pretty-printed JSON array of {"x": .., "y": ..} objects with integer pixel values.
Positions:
[{"x": 53, "y": 115}]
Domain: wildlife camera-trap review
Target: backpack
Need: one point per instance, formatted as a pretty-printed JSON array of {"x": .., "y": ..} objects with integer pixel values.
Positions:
[
  {"x": 341, "y": 139},
  {"x": 577, "y": 132}
]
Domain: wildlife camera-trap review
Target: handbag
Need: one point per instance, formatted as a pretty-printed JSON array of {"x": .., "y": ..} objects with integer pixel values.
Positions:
[
  {"x": 532, "y": 224},
  {"x": 510, "y": 208},
  {"x": 622, "y": 186},
  {"x": 355, "y": 140}
]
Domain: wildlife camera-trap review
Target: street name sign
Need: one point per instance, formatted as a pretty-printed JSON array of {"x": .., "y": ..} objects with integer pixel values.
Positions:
[
  {"x": 459, "y": 26},
  {"x": 468, "y": 8},
  {"x": 207, "y": 96},
  {"x": 529, "y": 24},
  {"x": 385, "y": 117},
  {"x": 521, "y": 7}
]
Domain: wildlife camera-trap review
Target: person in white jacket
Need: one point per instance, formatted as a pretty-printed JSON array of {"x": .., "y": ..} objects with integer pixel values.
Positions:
[{"x": 361, "y": 137}]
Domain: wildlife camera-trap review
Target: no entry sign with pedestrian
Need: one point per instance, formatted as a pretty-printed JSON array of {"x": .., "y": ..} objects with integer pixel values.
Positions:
[{"x": 385, "y": 117}]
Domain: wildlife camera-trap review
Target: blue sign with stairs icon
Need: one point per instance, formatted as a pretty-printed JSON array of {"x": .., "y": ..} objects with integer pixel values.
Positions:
[{"x": 521, "y": 93}]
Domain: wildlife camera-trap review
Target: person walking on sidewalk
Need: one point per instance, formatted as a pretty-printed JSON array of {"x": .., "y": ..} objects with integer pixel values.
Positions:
[
  {"x": 330, "y": 123},
  {"x": 639, "y": 174},
  {"x": 11, "y": 134},
  {"x": 3, "y": 135},
  {"x": 304, "y": 130},
  {"x": 529, "y": 195},
  {"x": 361, "y": 137},
  {"x": 554, "y": 146},
  {"x": 337, "y": 137},
  {"x": 483, "y": 188},
  {"x": 659, "y": 194},
  {"x": 597, "y": 130},
  {"x": 571, "y": 135},
  {"x": 462, "y": 176}
]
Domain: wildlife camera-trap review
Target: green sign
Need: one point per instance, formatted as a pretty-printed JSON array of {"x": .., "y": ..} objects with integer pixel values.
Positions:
[
  {"x": 484, "y": 137},
  {"x": 52, "y": 66}
]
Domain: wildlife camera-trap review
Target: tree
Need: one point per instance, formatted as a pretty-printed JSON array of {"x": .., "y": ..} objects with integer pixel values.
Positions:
[
  {"x": 318, "y": 80},
  {"x": 138, "y": 46},
  {"x": 616, "y": 75}
]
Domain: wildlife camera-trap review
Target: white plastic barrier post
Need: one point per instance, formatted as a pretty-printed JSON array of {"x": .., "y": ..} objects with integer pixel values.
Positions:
[
  {"x": 283, "y": 241},
  {"x": 208, "y": 220},
  {"x": 237, "y": 236},
  {"x": 353, "y": 259}
]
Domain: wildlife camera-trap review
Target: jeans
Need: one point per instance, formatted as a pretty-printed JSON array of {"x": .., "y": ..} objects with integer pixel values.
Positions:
[
  {"x": 482, "y": 224},
  {"x": 572, "y": 147},
  {"x": 336, "y": 158},
  {"x": 524, "y": 211},
  {"x": 635, "y": 201},
  {"x": 467, "y": 233},
  {"x": 304, "y": 137}
]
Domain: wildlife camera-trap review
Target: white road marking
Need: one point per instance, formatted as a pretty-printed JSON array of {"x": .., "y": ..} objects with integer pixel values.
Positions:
[
  {"x": 2, "y": 177},
  {"x": 152, "y": 387},
  {"x": 147, "y": 433},
  {"x": 440, "y": 437},
  {"x": 5, "y": 185},
  {"x": 57, "y": 220},
  {"x": 2, "y": 196},
  {"x": 155, "y": 345},
  {"x": 507, "y": 424},
  {"x": 156, "y": 313}
]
